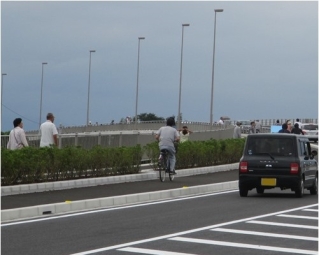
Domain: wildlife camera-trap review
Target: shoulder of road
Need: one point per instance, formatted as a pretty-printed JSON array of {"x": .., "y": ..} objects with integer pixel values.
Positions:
[{"x": 53, "y": 198}]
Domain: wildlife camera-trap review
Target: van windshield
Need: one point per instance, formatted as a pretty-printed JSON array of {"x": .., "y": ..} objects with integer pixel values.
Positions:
[{"x": 270, "y": 146}]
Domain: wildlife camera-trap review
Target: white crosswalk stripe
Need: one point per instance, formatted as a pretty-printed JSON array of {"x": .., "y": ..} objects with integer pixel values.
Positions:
[
  {"x": 282, "y": 224},
  {"x": 242, "y": 245},
  {"x": 298, "y": 216},
  {"x": 247, "y": 239},
  {"x": 257, "y": 233},
  {"x": 153, "y": 252}
]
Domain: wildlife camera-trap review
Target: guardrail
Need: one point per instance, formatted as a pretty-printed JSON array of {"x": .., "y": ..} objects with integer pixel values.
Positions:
[
  {"x": 155, "y": 125},
  {"x": 121, "y": 138}
]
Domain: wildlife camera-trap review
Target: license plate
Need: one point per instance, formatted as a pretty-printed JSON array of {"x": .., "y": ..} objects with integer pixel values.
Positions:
[{"x": 268, "y": 181}]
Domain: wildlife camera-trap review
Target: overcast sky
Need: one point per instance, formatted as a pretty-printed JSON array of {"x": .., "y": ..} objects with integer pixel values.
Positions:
[{"x": 266, "y": 60}]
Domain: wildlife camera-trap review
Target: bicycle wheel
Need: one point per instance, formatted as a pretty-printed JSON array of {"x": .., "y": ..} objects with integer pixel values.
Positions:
[{"x": 162, "y": 168}]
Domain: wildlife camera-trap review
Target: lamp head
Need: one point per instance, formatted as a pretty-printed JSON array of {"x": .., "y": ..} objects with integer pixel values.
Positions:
[{"x": 219, "y": 10}]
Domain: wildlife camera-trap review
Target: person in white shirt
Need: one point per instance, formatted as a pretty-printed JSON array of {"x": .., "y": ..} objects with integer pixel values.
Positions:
[
  {"x": 237, "y": 131},
  {"x": 298, "y": 122},
  {"x": 221, "y": 122},
  {"x": 17, "y": 138},
  {"x": 48, "y": 132},
  {"x": 184, "y": 134}
]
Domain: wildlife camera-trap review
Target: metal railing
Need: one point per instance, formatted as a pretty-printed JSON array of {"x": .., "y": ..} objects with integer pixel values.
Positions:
[
  {"x": 120, "y": 138},
  {"x": 155, "y": 125}
]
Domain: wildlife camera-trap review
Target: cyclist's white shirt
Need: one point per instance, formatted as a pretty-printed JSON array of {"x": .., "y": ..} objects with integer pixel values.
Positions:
[{"x": 167, "y": 136}]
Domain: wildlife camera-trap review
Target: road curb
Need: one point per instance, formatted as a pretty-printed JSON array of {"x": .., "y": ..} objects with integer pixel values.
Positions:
[{"x": 108, "y": 202}]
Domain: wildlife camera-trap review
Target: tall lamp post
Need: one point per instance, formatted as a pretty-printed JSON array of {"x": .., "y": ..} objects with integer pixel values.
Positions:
[
  {"x": 180, "y": 79},
  {"x": 138, "y": 67},
  {"x": 211, "y": 100},
  {"x": 89, "y": 84},
  {"x": 3, "y": 74},
  {"x": 44, "y": 63}
]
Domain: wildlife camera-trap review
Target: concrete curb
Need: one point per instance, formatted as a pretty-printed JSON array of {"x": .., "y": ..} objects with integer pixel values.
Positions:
[
  {"x": 144, "y": 176},
  {"x": 108, "y": 202}
]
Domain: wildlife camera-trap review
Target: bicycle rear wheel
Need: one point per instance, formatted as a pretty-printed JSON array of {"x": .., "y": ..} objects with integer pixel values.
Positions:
[{"x": 162, "y": 167}]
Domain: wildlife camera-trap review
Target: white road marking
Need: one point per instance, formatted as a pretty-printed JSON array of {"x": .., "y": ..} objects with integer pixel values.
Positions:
[
  {"x": 282, "y": 224},
  {"x": 257, "y": 233},
  {"x": 153, "y": 252},
  {"x": 188, "y": 231},
  {"x": 297, "y": 216},
  {"x": 311, "y": 210},
  {"x": 247, "y": 246}
]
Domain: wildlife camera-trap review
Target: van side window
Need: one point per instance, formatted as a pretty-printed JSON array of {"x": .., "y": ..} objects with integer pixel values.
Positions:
[{"x": 304, "y": 148}]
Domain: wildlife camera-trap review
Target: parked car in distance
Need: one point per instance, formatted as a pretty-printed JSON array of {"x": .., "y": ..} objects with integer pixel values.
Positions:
[
  {"x": 245, "y": 125},
  {"x": 278, "y": 160},
  {"x": 311, "y": 131}
]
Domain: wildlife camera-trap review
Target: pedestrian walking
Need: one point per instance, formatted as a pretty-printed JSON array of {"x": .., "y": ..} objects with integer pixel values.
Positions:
[
  {"x": 237, "y": 130},
  {"x": 48, "y": 132},
  {"x": 252, "y": 129},
  {"x": 258, "y": 126},
  {"x": 284, "y": 129},
  {"x": 17, "y": 138},
  {"x": 296, "y": 130}
]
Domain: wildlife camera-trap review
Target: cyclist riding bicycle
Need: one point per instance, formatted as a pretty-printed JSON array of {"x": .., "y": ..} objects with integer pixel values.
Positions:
[{"x": 166, "y": 136}]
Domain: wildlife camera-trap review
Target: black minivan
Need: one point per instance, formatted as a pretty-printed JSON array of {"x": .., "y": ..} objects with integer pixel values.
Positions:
[{"x": 278, "y": 160}]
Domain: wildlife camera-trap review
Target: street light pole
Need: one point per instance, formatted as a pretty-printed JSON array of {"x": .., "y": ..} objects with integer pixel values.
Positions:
[
  {"x": 180, "y": 79},
  {"x": 44, "y": 63},
  {"x": 138, "y": 67},
  {"x": 211, "y": 100},
  {"x": 89, "y": 84},
  {"x": 2, "y": 97}
]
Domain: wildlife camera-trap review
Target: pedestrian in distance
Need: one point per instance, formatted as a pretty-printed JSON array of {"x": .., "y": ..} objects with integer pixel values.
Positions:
[
  {"x": 237, "y": 130},
  {"x": 184, "y": 134},
  {"x": 221, "y": 121},
  {"x": 289, "y": 125},
  {"x": 252, "y": 129},
  {"x": 298, "y": 122},
  {"x": 284, "y": 129},
  {"x": 17, "y": 138},
  {"x": 166, "y": 136},
  {"x": 258, "y": 126},
  {"x": 48, "y": 132},
  {"x": 296, "y": 130},
  {"x": 278, "y": 123}
]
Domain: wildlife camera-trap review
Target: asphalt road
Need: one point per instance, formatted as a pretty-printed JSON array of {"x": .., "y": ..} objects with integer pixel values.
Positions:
[
  {"x": 190, "y": 225},
  {"x": 58, "y": 196}
]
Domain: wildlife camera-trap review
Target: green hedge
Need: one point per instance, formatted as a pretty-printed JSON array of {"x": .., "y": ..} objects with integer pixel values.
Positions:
[{"x": 32, "y": 165}]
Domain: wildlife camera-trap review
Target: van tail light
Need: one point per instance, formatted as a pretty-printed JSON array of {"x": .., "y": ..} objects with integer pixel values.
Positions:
[
  {"x": 243, "y": 167},
  {"x": 294, "y": 168}
]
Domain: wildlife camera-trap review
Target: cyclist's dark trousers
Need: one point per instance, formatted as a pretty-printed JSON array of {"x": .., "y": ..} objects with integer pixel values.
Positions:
[{"x": 171, "y": 156}]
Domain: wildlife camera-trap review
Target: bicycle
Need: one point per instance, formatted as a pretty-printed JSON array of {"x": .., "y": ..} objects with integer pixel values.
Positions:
[{"x": 164, "y": 166}]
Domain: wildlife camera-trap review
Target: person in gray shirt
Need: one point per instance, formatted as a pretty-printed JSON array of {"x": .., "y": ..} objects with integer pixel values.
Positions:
[{"x": 166, "y": 136}]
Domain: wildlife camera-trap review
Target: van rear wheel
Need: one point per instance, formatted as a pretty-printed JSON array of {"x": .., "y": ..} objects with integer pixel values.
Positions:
[
  {"x": 300, "y": 190},
  {"x": 314, "y": 188},
  {"x": 243, "y": 192},
  {"x": 260, "y": 190}
]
